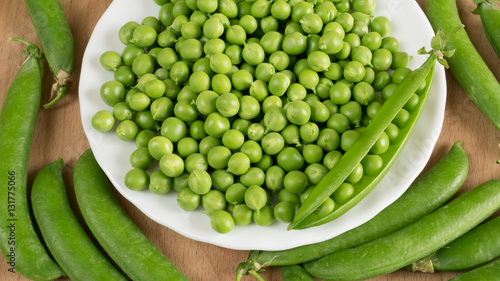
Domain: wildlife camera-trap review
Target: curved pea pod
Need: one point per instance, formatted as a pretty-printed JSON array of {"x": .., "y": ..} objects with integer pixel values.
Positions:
[
  {"x": 19, "y": 243},
  {"x": 476, "y": 247},
  {"x": 415, "y": 241},
  {"x": 294, "y": 272},
  {"x": 467, "y": 66},
  {"x": 490, "y": 18},
  {"x": 489, "y": 271},
  {"x": 427, "y": 193},
  {"x": 118, "y": 235},
  {"x": 66, "y": 239},
  {"x": 306, "y": 217},
  {"x": 57, "y": 42}
]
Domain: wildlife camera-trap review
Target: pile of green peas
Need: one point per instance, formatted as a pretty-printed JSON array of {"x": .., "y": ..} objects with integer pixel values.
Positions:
[{"x": 245, "y": 105}]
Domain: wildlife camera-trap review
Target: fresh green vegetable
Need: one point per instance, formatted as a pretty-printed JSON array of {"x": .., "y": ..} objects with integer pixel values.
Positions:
[
  {"x": 426, "y": 194},
  {"x": 66, "y": 239},
  {"x": 467, "y": 65},
  {"x": 489, "y": 271},
  {"x": 476, "y": 247},
  {"x": 113, "y": 229},
  {"x": 20, "y": 244},
  {"x": 55, "y": 35},
  {"x": 294, "y": 273},
  {"x": 361, "y": 144},
  {"x": 417, "y": 240},
  {"x": 261, "y": 88},
  {"x": 490, "y": 18}
]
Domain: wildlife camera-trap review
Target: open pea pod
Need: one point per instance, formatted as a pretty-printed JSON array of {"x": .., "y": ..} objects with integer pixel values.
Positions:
[{"x": 306, "y": 217}]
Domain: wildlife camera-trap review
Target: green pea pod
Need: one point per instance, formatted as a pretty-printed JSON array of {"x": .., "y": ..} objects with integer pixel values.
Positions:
[
  {"x": 419, "y": 239},
  {"x": 57, "y": 42},
  {"x": 427, "y": 193},
  {"x": 118, "y": 235},
  {"x": 466, "y": 65},
  {"x": 294, "y": 272},
  {"x": 490, "y": 18},
  {"x": 66, "y": 239},
  {"x": 20, "y": 244},
  {"x": 489, "y": 271},
  {"x": 305, "y": 216},
  {"x": 476, "y": 247}
]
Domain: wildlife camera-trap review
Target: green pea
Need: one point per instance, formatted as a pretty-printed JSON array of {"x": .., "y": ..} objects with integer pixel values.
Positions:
[
  {"x": 159, "y": 183},
  {"x": 213, "y": 200},
  {"x": 127, "y": 130},
  {"x": 372, "y": 165},
  {"x": 103, "y": 121},
  {"x": 331, "y": 159},
  {"x": 356, "y": 174},
  {"x": 352, "y": 110},
  {"x": 382, "y": 59},
  {"x": 254, "y": 176},
  {"x": 233, "y": 139},
  {"x": 258, "y": 90},
  {"x": 331, "y": 42},
  {"x": 136, "y": 179},
  {"x": 238, "y": 163},
  {"x": 196, "y": 161},
  {"x": 275, "y": 119},
  {"x": 220, "y": 220},
  {"x": 235, "y": 193},
  {"x": 348, "y": 138},
  {"x": 174, "y": 129},
  {"x": 354, "y": 71},
  {"x": 242, "y": 215},
  {"x": 253, "y": 150},
  {"x": 300, "y": 9},
  {"x": 290, "y": 159},
  {"x": 295, "y": 182},
  {"x": 264, "y": 216},
  {"x": 390, "y": 43},
  {"x": 253, "y": 53},
  {"x": 343, "y": 193},
  {"x": 126, "y": 31},
  {"x": 284, "y": 211},
  {"x": 255, "y": 197},
  {"x": 286, "y": 196},
  {"x": 309, "y": 132},
  {"x": 143, "y": 138},
  {"x": 328, "y": 139},
  {"x": 294, "y": 43},
  {"x": 291, "y": 134},
  {"x": 188, "y": 200},
  {"x": 382, "y": 25},
  {"x": 272, "y": 143},
  {"x": 249, "y": 107},
  {"x": 315, "y": 173},
  {"x": 325, "y": 208},
  {"x": 218, "y": 157},
  {"x": 281, "y": 10},
  {"x": 171, "y": 165},
  {"x": 298, "y": 112},
  {"x": 280, "y": 60}
]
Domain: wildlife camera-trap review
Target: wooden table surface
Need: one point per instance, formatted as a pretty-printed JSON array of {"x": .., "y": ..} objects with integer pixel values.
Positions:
[{"x": 59, "y": 133}]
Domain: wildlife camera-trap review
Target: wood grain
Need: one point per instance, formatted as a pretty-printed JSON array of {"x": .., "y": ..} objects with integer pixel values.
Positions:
[{"x": 59, "y": 134}]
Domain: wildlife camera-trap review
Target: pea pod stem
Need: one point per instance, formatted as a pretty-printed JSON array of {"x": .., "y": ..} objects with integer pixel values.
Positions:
[
  {"x": 427, "y": 193},
  {"x": 17, "y": 122},
  {"x": 57, "y": 42},
  {"x": 361, "y": 147}
]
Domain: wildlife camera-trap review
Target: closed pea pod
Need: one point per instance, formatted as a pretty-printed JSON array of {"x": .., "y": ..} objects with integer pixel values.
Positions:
[
  {"x": 65, "y": 237},
  {"x": 478, "y": 246},
  {"x": 489, "y": 271},
  {"x": 17, "y": 122},
  {"x": 57, "y": 42},
  {"x": 113, "y": 229},
  {"x": 294, "y": 273}
]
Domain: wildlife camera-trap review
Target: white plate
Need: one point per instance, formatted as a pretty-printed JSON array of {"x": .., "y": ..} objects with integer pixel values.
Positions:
[{"x": 409, "y": 26}]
